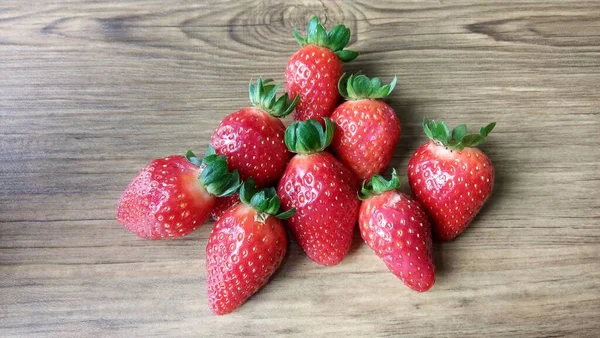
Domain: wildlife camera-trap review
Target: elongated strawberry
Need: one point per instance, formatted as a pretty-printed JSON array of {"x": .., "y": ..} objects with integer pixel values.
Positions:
[
  {"x": 313, "y": 72},
  {"x": 252, "y": 138},
  {"x": 246, "y": 246},
  {"x": 367, "y": 128},
  {"x": 323, "y": 192},
  {"x": 172, "y": 196},
  {"x": 397, "y": 229},
  {"x": 450, "y": 178}
]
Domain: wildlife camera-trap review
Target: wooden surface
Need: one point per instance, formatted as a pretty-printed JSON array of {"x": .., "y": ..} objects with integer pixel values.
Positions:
[{"x": 91, "y": 91}]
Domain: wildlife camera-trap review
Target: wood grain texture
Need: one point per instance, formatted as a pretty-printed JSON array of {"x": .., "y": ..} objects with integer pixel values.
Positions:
[{"x": 91, "y": 91}]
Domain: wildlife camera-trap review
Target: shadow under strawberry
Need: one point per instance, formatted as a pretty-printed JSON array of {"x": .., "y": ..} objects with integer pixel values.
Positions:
[{"x": 357, "y": 241}]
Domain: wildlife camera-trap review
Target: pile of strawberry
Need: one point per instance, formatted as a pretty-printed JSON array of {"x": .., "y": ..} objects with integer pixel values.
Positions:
[{"x": 326, "y": 167}]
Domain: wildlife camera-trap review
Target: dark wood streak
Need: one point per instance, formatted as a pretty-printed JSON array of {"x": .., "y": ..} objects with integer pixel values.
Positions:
[{"x": 91, "y": 91}]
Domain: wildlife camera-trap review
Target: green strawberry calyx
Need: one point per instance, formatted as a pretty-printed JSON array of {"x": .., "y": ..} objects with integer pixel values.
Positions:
[
  {"x": 358, "y": 87},
  {"x": 458, "y": 138},
  {"x": 336, "y": 39},
  {"x": 215, "y": 176},
  {"x": 309, "y": 137},
  {"x": 264, "y": 201},
  {"x": 263, "y": 96},
  {"x": 378, "y": 185}
]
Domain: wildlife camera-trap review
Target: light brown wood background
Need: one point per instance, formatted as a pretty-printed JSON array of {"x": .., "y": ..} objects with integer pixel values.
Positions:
[{"x": 91, "y": 91}]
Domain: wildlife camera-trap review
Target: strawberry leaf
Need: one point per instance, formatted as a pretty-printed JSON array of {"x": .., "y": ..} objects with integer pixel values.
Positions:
[
  {"x": 358, "y": 87},
  {"x": 308, "y": 137},
  {"x": 264, "y": 201},
  {"x": 247, "y": 190},
  {"x": 299, "y": 38},
  {"x": 232, "y": 184},
  {"x": 263, "y": 95},
  {"x": 459, "y": 138},
  {"x": 472, "y": 140},
  {"x": 346, "y": 55},
  {"x": 216, "y": 177},
  {"x": 321, "y": 37},
  {"x": 342, "y": 87},
  {"x": 210, "y": 151},
  {"x": 437, "y": 131},
  {"x": 311, "y": 30},
  {"x": 337, "y": 38},
  {"x": 426, "y": 128},
  {"x": 273, "y": 205},
  {"x": 327, "y": 136},
  {"x": 291, "y": 136},
  {"x": 441, "y": 132},
  {"x": 286, "y": 214},
  {"x": 459, "y": 132},
  {"x": 378, "y": 185},
  {"x": 376, "y": 82},
  {"x": 259, "y": 201},
  {"x": 190, "y": 156},
  {"x": 487, "y": 129}
]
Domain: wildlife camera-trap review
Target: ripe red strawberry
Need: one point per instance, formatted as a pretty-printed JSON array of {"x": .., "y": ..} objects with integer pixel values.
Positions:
[
  {"x": 397, "y": 229},
  {"x": 252, "y": 138},
  {"x": 172, "y": 196},
  {"x": 313, "y": 72},
  {"x": 322, "y": 191},
  {"x": 246, "y": 246},
  {"x": 222, "y": 204},
  {"x": 450, "y": 178},
  {"x": 367, "y": 128}
]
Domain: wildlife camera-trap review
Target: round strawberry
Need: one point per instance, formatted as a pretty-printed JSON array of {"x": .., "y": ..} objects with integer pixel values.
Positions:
[
  {"x": 397, "y": 229},
  {"x": 172, "y": 196},
  {"x": 313, "y": 72},
  {"x": 450, "y": 178},
  {"x": 252, "y": 138},
  {"x": 323, "y": 192},
  {"x": 367, "y": 128},
  {"x": 246, "y": 246}
]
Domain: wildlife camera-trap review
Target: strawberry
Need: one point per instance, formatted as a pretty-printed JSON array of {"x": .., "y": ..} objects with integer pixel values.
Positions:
[
  {"x": 222, "y": 204},
  {"x": 367, "y": 128},
  {"x": 397, "y": 229},
  {"x": 172, "y": 196},
  {"x": 252, "y": 138},
  {"x": 450, "y": 178},
  {"x": 323, "y": 192},
  {"x": 313, "y": 72},
  {"x": 246, "y": 246}
]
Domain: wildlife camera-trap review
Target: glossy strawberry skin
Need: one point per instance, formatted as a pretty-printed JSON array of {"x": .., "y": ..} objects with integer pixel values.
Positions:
[
  {"x": 165, "y": 200},
  {"x": 366, "y": 137},
  {"x": 452, "y": 185},
  {"x": 313, "y": 73},
  {"x": 253, "y": 142},
  {"x": 397, "y": 229},
  {"x": 222, "y": 204},
  {"x": 241, "y": 255},
  {"x": 324, "y": 194}
]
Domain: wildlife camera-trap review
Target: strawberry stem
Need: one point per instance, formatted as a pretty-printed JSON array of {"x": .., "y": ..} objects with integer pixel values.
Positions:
[
  {"x": 458, "y": 138},
  {"x": 336, "y": 39},
  {"x": 215, "y": 176},
  {"x": 358, "y": 87},
  {"x": 378, "y": 185},
  {"x": 309, "y": 137},
  {"x": 264, "y": 201},
  {"x": 263, "y": 95}
]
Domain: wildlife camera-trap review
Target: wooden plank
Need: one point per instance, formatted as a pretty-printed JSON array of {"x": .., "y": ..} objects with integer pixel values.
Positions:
[{"x": 91, "y": 91}]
